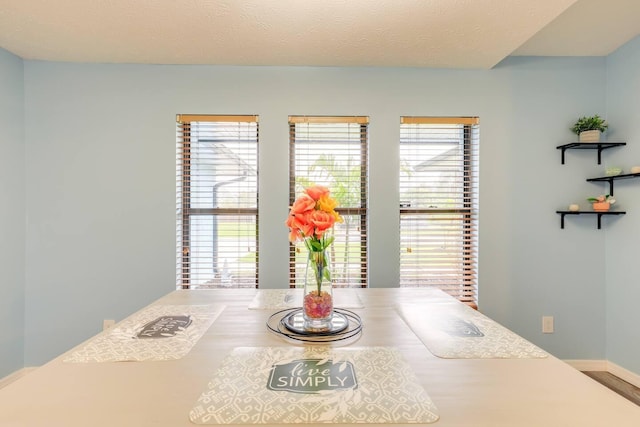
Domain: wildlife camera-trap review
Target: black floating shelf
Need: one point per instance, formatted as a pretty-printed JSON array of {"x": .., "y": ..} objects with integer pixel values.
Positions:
[
  {"x": 589, "y": 146},
  {"x": 610, "y": 179},
  {"x": 600, "y": 214}
]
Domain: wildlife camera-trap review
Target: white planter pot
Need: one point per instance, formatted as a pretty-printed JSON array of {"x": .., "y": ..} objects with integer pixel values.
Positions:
[{"x": 590, "y": 136}]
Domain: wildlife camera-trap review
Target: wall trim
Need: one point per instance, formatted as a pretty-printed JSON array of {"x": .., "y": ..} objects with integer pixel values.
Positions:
[
  {"x": 607, "y": 366},
  {"x": 625, "y": 374},
  {"x": 15, "y": 376},
  {"x": 589, "y": 365}
]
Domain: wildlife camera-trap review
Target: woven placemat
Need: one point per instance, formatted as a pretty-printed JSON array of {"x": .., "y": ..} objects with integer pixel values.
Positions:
[
  {"x": 314, "y": 384},
  {"x": 455, "y": 331},
  {"x": 159, "y": 332}
]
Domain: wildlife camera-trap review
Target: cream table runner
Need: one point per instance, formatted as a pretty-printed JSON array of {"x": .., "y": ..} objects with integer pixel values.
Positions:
[
  {"x": 456, "y": 331},
  {"x": 277, "y": 299},
  {"x": 159, "y": 332},
  {"x": 314, "y": 384}
]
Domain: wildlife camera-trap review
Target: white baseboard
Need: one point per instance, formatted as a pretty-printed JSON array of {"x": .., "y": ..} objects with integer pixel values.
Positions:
[
  {"x": 605, "y": 365},
  {"x": 625, "y": 374},
  {"x": 14, "y": 376},
  {"x": 589, "y": 365}
]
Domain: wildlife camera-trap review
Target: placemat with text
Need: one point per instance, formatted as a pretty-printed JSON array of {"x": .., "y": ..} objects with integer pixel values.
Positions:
[
  {"x": 456, "y": 331},
  {"x": 314, "y": 384},
  {"x": 158, "y": 332}
]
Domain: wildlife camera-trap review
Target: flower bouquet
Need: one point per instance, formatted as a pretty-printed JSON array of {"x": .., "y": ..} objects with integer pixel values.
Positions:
[{"x": 311, "y": 220}]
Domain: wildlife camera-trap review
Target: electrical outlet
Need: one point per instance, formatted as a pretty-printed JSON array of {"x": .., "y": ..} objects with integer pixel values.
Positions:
[
  {"x": 547, "y": 324},
  {"x": 107, "y": 323}
]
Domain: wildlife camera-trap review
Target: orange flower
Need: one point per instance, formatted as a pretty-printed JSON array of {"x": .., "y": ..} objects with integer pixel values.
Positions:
[
  {"x": 303, "y": 204},
  {"x": 312, "y": 214},
  {"x": 294, "y": 235},
  {"x": 317, "y": 191},
  {"x": 322, "y": 221},
  {"x": 300, "y": 226}
]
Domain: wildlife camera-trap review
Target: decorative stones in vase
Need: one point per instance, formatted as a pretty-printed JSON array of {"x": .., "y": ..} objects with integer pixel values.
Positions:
[{"x": 317, "y": 303}]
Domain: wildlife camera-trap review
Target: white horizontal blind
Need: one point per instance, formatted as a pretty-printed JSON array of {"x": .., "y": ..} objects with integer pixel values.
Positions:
[
  {"x": 332, "y": 151},
  {"x": 439, "y": 204},
  {"x": 217, "y": 201}
]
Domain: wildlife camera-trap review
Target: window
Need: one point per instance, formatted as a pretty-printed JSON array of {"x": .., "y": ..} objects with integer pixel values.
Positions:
[
  {"x": 439, "y": 204},
  {"x": 332, "y": 151},
  {"x": 217, "y": 201}
]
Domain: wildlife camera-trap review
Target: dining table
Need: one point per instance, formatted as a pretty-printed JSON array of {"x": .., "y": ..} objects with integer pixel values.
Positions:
[{"x": 395, "y": 356}]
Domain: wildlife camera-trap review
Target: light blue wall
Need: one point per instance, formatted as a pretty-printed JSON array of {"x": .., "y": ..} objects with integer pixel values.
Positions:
[
  {"x": 623, "y": 241},
  {"x": 101, "y": 183},
  {"x": 544, "y": 266},
  {"x": 12, "y": 213}
]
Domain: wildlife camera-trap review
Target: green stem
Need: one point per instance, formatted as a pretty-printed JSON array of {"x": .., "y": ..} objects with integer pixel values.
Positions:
[{"x": 318, "y": 260}]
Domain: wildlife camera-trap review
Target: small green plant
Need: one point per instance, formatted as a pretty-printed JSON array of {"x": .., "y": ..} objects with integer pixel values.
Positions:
[
  {"x": 603, "y": 198},
  {"x": 589, "y": 123}
]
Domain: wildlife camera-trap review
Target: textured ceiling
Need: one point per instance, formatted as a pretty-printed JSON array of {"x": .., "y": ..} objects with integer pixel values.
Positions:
[
  {"x": 588, "y": 28},
  {"x": 409, "y": 33}
]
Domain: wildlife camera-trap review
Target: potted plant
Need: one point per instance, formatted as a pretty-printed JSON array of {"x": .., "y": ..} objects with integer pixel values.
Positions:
[
  {"x": 590, "y": 128},
  {"x": 602, "y": 203}
]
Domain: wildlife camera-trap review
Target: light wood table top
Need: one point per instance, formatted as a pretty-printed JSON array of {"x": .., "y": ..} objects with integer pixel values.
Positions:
[{"x": 467, "y": 392}]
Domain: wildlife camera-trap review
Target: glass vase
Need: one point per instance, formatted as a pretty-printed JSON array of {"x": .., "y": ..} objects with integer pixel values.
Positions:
[{"x": 317, "y": 303}]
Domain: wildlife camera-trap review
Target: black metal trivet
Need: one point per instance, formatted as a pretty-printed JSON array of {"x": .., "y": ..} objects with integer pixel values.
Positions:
[{"x": 289, "y": 324}]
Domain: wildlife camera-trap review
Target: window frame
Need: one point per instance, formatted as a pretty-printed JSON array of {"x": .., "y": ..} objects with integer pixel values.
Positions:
[
  {"x": 361, "y": 210},
  {"x": 185, "y": 212},
  {"x": 468, "y": 284}
]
